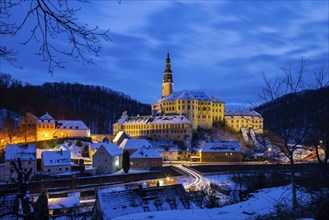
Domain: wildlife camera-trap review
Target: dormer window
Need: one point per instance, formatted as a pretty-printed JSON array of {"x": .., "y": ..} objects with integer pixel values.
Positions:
[
  {"x": 48, "y": 120},
  {"x": 70, "y": 127},
  {"x": 76, "y": 127}
]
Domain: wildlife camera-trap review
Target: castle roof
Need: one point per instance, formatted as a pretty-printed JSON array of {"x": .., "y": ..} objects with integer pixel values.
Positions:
[
  {"x": 188, "y": 95},
  {"x": 247, "y": 114},
  {"x": 71, "y": 124},
  {"x": 46, "y": 117},
  {"x": 167, "y": 119}
]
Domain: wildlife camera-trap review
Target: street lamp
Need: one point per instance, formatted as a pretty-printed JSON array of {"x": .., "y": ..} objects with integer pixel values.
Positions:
[{"x": 269, "y": 151}]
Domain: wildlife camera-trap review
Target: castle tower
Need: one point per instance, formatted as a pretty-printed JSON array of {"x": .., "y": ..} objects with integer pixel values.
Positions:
[{"x": 167, "y": 83}]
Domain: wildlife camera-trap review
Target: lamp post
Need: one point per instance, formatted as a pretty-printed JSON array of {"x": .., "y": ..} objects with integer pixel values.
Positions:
[{"x": 269, "y": 151}]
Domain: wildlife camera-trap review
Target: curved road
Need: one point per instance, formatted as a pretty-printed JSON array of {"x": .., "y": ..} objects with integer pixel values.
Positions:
[{"x": 199, "y": 180}]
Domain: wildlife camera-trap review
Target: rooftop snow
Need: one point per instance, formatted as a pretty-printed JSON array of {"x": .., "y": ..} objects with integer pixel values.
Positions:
[
  {"x": 222, "y": 146},
  {"x": 245, "y": 112},
  {"x": 120, "y": 203},
  {"x": 112, "y": 149},
  {"x": 56, "y": 158},
  {"x": 186, "y": 95},
  {"x": 146, "y": 152},
  {"x": 24, "y": 152},
  {"x": 131, "y": 144},
  {"x": 46, "y": 117},
  {"x": 117, "y": 137},
  {"x": 167, "y": 119},
  {"x": 71, "y": 124}
]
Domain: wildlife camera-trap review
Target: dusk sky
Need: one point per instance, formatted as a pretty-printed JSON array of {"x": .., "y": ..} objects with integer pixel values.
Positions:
[{"x": 220, "y": 47}]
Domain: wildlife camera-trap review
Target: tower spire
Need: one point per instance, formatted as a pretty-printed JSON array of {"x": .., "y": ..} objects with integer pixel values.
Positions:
[{"x": 167, "y": 83}]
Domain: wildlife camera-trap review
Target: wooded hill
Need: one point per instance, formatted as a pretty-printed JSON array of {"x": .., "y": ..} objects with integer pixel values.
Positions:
[
  {"x": 310, "y": 108},
  {"x": 98, "y": 107}
]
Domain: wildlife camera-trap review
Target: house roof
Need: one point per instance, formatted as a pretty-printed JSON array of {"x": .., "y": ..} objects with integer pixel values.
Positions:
[
  {"x": 133, "y": 144},
  {"x": 71, "y": 124},
  {"x": 165, "y": 146},
  {"x": 46, "y": 117},
  {"x": 24, "y": 152},
  {"x": 112, "y": 149},
  {"x": 56, "y": 158},
  {"x": 166, "y": 119},
  {"x": 118, "y": 203},
  {"x": 119, "y": 135},
  {"x": 189, "y": 95},
  {"x": 95, "y": 145},
  {"x": 222, "y": 146},
  {"x": 146, "y": 152}
]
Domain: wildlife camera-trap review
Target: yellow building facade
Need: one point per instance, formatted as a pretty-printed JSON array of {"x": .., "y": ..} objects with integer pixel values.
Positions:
[
  {"x": 171, "y": 127},
  {"x": 236, "y": 120},
  {"x": 48, "y": 128}
]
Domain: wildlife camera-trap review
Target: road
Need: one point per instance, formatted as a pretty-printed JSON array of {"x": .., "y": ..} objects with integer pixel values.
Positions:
[{"x": 198, "y": 180}]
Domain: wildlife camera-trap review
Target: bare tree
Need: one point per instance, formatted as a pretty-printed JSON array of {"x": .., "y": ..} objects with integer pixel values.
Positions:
[
  {"x": 289, "y": 128},
  {"x": 51, "y": 21}
]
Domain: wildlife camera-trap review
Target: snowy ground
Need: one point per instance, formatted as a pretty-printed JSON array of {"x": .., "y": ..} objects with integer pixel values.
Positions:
[{"x": 260, "y": 203}]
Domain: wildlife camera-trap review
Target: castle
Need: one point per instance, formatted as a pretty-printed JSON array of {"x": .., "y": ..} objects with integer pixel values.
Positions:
[{"x": 200, "y": 109}]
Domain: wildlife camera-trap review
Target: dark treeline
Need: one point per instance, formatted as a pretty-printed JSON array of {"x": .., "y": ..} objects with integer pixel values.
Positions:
[
  {"x": 98, "y": 107},
  {"x": 310, "y": 108}
]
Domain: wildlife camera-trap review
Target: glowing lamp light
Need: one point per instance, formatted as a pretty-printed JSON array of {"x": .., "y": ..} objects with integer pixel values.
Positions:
[
  {"x": 269, "y": 149},
  {"x": 116, "y": 162}
]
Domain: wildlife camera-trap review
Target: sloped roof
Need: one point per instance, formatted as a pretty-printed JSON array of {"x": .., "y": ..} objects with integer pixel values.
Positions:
[
  {"x": 25, "y": 152},
  {"x": 119, "y": 135},
  {"x": 117, "y": 203},
  {"x": 167, "y": 119},
  {"x": 95, "y": 145},
  {"x": 146, "y": 152},
  {"x": 71, "y": 124},
  {"x": 132, "y": 144},
  {"x": 188, "y": 95},
  {"x": 112, "y": 149},
  {"x": 46, "y": 117},
  {"x": 222, "y": 146},
  {"x": 246, "y": 113},
  {"x": 56, "y": 158}
]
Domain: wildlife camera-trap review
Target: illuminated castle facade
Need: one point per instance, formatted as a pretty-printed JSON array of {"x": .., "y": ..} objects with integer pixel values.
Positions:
[{"x": 200, "y": 109}]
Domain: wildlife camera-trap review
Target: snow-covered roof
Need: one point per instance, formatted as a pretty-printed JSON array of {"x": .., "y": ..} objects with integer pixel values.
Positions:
[
  {"x": 247, "y": 114},
  {"x": 132, "y": 144},
  {"x": 188, "y": 95},
  {"x": 71, "y": 124},
  {"x": 146, "y": 152},
  {"x": 166, "y": 119},
  {"x": 222, "y": 146},
  {"x": 56, "y": 158},
  {"x": 95, "y": 145},
  {"x": 118, "y": 136},
  {"x": 120, "y": 203},
  {"x": 24, "y": 152},
  {"x": 165, "y": 146},
  {"x": 46, "y": 117},
  {"x": 112, "y": 149}
]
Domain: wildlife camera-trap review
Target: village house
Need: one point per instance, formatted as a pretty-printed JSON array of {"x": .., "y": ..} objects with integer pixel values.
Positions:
[
  {"x": 49, "y": 128},
  {"x": 145, "y": 158},
  {"x": 112, "y": 204},
  {"x": 26, "y": 153},
  {"x": 167, "y": 149},
  {"x": 108, "y": 158},
  {"x": 131, "y": 145},
  {"x": 56, "y": 162},
  {"x": 221, "y": 151}
]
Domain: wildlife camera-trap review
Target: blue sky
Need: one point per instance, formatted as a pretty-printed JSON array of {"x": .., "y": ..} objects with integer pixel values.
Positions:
[{"x": 219, "y": 47}]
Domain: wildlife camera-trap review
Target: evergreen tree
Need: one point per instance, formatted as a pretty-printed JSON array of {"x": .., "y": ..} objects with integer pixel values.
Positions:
[{"x": 126, "y": 161}]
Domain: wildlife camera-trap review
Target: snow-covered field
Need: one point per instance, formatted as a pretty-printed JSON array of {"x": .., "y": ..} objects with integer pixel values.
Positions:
[{"x": 259, "y": 203}]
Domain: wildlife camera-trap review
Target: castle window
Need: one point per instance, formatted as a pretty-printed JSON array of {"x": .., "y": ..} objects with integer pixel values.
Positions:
[{"x": 76, "y": 127}]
